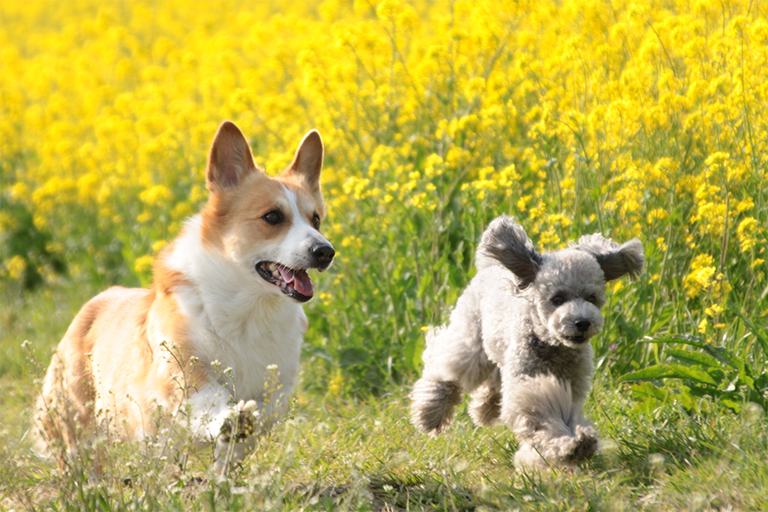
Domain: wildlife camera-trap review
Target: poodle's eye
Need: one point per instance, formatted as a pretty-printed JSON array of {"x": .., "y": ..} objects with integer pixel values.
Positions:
[
  {"x": 592, "y": 299},
  {"x": 558, "y": 300},
  {"x": 273, "y": 217},
  {"x": 316, "y": 221}
]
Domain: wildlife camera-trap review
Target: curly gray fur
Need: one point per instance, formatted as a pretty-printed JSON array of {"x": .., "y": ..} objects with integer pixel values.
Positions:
[
  {"x": 615, "y": 260},
  {"x": 506, "y": 243},
  {"x": 518, "y": 342}
]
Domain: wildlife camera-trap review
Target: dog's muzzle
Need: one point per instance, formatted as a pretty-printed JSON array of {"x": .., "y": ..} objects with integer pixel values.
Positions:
[
  {"x": 295, "y": 282},
  {"x": 322, "y": 256},
  {"x": 582, "y": 327}
]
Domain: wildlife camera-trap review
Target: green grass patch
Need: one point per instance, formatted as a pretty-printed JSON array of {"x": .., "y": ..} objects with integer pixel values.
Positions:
[
  {"x": 341, "y": 453},
  {"x": 365, "y": 455}
]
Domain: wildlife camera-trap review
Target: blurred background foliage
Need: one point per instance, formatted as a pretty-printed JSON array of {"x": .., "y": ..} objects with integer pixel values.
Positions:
[{"x": 644, "y": 120}]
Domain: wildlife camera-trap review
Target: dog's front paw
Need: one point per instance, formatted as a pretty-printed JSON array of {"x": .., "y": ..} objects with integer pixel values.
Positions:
[
  {"x": 528, "y": 458},
  {"x": 586, "y": 446},
  {"x": 241, "y": 422}
]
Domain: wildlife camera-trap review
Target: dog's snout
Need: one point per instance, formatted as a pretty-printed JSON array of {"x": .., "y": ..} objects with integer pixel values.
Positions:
[
  {"x": 322, "y": 254},
  {"x": 583, "y": 325}
]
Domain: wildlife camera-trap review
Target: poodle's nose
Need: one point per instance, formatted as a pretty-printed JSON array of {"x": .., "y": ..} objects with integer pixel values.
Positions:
[{"x": 583, "y": 325}]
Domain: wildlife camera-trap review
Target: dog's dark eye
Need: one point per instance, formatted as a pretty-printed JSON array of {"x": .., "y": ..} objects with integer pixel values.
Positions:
[
  {"x": 592, "y": 299},
  {"x": 316, "y": 221},
  {"x": 273, "y": 217},
  {"x": 558, "y": 300}
]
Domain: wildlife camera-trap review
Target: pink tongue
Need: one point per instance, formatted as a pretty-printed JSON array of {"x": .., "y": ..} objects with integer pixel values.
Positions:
[{"x": 301, "y": 281}]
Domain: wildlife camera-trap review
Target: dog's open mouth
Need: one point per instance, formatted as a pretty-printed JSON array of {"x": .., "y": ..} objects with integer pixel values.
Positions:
[
  {"x": 295, "y": 283},
  {"x": 577, "y": 339}
]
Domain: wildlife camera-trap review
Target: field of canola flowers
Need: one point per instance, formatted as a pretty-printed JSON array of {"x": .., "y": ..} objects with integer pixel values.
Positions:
[{"x": 635, "y": 119}]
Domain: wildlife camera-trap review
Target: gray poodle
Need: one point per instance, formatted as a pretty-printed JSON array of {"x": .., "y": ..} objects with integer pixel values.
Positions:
[{"x": 518, "y": 342}]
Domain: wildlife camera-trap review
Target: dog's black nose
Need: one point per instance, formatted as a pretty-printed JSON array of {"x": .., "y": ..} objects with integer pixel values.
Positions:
[
  {"x": 583, "y": 325},
  {"x": 322, "y": 254}
]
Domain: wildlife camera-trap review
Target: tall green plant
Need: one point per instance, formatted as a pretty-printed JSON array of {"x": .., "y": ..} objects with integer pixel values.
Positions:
[{"x": 732, "y": 376}]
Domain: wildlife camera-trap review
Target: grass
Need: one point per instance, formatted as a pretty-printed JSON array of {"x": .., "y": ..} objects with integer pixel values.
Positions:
[
  {"x": 640, "y": 120},
  {"x": 363, "y": 454}
]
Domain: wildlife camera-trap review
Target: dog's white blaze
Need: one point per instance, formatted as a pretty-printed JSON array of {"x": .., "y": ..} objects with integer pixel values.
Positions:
[
  {"x": 235, "y": 319},
  {"x": 294, "y": 248}
]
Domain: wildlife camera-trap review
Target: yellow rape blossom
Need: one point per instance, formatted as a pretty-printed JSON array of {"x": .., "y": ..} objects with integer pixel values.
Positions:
[
  {"x": 700, "y": 275},
  {"x": 15, "y": 267},
  {"x": 746, "y": 233},
  {"x": 144, "y": 263}
]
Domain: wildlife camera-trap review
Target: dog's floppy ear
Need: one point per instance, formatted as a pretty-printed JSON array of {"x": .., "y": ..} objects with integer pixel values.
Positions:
[
  {"x": 506, "y": 242},
  {"x": 308, "y": 161},
  {"x": 230, "y": 159},
  {"x": 615, "y": 260}
]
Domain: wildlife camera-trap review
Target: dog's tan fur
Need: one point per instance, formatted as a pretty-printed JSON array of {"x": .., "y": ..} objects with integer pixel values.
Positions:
[{"x": 129, "y": 350}]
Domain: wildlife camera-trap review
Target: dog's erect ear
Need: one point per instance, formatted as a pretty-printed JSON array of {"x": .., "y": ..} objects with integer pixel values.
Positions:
[
  {"x": 615, "y": 260},
  {"x": 230, "y": 159},
  {"x": 506, "y": 242},
  {"x": 308, "y": 161}
]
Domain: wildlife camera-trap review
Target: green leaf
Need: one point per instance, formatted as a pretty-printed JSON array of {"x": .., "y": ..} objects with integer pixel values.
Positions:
[
  {"x": 411, "y": 354},
  {"x": 746, "y": 379},
  {"x": 426, "y": 280},
  {"x": 321, "y": 353},
  {"x": 689, "y": 356},
  {"x": 731, "y": 404},
  {"x": 760, "y": 337},
  {"x": 671, "y": 371},
  {"x": 686, "y": 340},
  {"x": 666, "y": 315},
  {"x": 724, "y": 355},
  {"x": 761, "y": 382},
  {"x": 721, "y": 354},
  {"x": 696, "y": 373},
  {"x": 650, "y": 373},
  {"x": 646, "y": 389},
  {"x": 353, "y": 356}
]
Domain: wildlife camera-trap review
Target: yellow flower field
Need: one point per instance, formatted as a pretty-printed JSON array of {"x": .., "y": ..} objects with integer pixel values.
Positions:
[{"x": 628, "y": 118}]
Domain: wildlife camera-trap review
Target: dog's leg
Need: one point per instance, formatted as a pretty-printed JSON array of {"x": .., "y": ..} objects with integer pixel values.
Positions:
[
  {"x": 210, "y": 416},
  {"x": 432, "y": 404},
  {"x": 583, "y": 430},
  {"x": 64, "y": 412},
  {"x": 236, "y": 437},
  {"x": 550, "y": 427},
  {"x": 454, "y": 360},
  {"x": 485, "y": 407},
  {"x": 582, "y": 427}
]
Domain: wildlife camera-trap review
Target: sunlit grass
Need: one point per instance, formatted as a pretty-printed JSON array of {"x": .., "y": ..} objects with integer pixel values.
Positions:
[
  {"x": 631, "y": 119},
  {"x": 363, "y": 454}
]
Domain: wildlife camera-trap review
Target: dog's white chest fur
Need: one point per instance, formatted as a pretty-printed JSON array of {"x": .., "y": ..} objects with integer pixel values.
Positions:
[{"x": 233, "y": 321}]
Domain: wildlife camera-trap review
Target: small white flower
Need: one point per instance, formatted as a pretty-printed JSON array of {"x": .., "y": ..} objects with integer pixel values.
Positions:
[{"x": 656, "y": 462}]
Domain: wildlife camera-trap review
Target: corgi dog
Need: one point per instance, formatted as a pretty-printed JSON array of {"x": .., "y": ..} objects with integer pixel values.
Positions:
[{"x": 227, "y": 295}]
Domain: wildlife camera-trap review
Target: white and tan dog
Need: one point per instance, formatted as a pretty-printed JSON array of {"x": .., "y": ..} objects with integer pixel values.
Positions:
[{"x": 226, "y": 292}]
